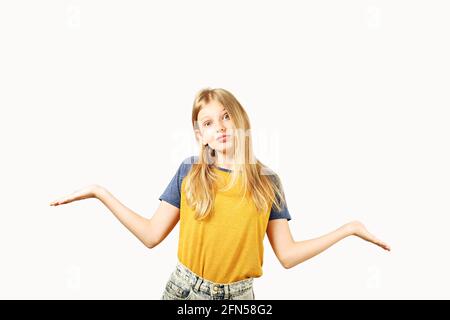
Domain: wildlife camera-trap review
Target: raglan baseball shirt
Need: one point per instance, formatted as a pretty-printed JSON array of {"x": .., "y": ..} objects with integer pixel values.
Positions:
[{"x": 228, "y": 245}]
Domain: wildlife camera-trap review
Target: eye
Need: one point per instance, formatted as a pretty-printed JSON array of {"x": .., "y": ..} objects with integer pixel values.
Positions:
[
  {"x": 227, "y": 116},
  {"x": 205, "y": 124}
]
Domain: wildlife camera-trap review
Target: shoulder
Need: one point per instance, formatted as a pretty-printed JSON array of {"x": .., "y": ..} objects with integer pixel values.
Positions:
[
  {"x": 190, "y": 160},
  {"x": 271, "y": 174},
  {"x": 186, "y": 165}
]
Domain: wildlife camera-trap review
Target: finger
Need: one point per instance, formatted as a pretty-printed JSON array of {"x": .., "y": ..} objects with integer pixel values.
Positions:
[
  {"x": 371, "y": 238},
  {"x": 377, "y": 241},
  {"x": 61, "y": 201},
  {"x": 66, "y": 200},
  {"x": 385, "y": 246},
  {"x": 382, "y": 244},
  {"x": 54, "y": 203}
]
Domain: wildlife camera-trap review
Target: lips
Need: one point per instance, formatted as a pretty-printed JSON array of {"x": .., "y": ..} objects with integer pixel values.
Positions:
[{"x": 223, "y": 138}]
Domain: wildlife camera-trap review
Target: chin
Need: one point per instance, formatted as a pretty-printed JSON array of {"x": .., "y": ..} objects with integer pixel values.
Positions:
[{"x": 224, "y": 147}]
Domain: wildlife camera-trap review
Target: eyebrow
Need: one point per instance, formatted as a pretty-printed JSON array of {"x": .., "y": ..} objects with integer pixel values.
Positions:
[{"x": 202, "y": 118}]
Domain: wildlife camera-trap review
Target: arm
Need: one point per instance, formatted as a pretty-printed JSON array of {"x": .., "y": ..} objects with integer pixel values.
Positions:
[
  {"x": 290, "y": 252},
  {"x": 149, "y": 231}
]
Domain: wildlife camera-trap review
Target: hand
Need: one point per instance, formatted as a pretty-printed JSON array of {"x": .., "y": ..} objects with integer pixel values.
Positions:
[
  {"x": 358, "y": 229},
  {"x": 90, "y": 191}
]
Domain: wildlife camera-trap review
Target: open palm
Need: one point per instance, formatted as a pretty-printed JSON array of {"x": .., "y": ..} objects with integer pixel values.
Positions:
[
  {"x": 84, "y": 193},
  {"x": 358, "y": 229}
]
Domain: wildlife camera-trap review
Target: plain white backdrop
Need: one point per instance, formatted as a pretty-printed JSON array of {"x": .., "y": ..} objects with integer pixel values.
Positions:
[{"x": 349, "y": 101}]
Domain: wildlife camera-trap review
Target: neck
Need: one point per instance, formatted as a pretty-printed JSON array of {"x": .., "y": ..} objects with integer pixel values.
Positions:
[{"x": 224, "y": 160}]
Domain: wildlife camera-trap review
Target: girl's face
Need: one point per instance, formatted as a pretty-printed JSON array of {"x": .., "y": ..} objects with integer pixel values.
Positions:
[{"x": 214, "y": 122}]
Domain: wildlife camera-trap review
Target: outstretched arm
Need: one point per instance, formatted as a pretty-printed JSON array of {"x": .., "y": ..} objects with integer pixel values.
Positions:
[
  {"x": 149, "y": 231},
  {"x": 290, "y": 252}
]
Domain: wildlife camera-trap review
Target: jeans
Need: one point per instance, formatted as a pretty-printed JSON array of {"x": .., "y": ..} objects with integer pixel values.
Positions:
[{"x": 183, "y": 284}]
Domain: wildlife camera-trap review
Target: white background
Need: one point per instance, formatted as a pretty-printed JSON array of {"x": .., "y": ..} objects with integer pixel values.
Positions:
[{"x": 350, "y": 99}]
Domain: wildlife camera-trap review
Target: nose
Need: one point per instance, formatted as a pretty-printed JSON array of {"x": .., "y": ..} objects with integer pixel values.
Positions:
[{"x": 220, "y": 128}]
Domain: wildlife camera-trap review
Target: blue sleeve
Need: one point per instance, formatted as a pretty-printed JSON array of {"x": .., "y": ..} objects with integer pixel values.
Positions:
[
  {"x": 172, "y": 193},
  {"x": 284, "y": 212}
]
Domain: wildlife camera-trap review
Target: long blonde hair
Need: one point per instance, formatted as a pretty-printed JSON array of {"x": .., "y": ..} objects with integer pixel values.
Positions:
[{"x": 257, "y": 181}]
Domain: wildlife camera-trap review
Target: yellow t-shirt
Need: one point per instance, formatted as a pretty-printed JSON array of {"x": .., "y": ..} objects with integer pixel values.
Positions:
[{"x": 227, "y": 246}]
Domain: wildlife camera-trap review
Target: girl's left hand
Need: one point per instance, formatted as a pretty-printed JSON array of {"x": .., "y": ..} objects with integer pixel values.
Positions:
[{"x": 358, "y": 229}]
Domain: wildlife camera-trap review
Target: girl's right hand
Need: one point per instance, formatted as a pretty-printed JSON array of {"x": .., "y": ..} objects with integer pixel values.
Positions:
[{"x": 90, "y": 191}]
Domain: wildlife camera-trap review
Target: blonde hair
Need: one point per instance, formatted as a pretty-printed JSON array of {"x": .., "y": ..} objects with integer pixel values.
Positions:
[{"x": 258, "y": 182}]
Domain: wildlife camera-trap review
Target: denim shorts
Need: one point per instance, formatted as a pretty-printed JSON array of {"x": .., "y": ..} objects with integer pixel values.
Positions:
[{"x": 184, "y": 284}]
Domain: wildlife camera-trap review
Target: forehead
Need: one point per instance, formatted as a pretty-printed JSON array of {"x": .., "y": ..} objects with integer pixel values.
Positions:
[{"x": 210, "y": 109}]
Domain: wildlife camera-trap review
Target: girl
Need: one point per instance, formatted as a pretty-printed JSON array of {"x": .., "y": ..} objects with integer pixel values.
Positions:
[{"x": 226, "y": 201}]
